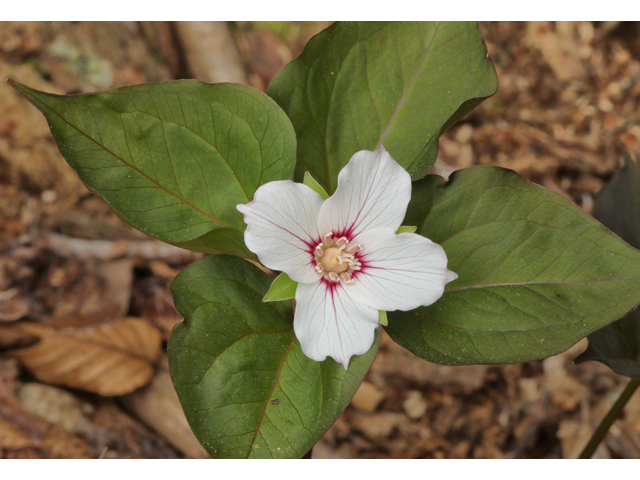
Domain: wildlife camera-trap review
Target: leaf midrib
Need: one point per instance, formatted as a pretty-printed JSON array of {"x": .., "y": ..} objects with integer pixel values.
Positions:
[
  {"x": 210, "y": 217},
  {"x": 560, "y": 282},
  {"x": 276, "y": 382},
  {"x": 403, "y": 98}
]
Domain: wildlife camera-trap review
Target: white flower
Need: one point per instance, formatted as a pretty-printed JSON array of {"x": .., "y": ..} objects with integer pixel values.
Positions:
[{"x": 345, "y": 254}]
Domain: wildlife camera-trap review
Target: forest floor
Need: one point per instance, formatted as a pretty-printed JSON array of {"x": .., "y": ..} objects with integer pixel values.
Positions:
[{"x": 71, "y": 270}]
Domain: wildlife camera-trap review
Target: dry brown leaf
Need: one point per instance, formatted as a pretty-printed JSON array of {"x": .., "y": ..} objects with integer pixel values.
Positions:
[
  {"x": 12, "y": 438},
  {"x": 55, "y": 405},
  {"x": 112, "y": 359},
  {"x": 14, "y": 336},
  {"x": 25, "y": 435}
]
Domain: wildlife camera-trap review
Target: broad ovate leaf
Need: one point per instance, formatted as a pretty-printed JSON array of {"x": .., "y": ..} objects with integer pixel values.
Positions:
[
  {"x": 618, "y": 208},
  {"x": 359, "y": 85},
  {"x": 247, "y": 389},
  {"x": 174, "y": 158},
  {"x": 535, "y": 273}
]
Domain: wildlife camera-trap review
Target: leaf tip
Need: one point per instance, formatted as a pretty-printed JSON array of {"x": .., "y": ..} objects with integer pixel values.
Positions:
[
  {"x": 23, "y": 89},
  {"x": 14, "y": 84}
]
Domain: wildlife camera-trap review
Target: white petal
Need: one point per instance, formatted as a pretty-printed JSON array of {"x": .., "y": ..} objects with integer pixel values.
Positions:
[
  {"x": 281, "y": 228},
  {"x": 399, "y": 272},
  {"x": 328, "y": 322},
  {"x": 373, "y": 191}
]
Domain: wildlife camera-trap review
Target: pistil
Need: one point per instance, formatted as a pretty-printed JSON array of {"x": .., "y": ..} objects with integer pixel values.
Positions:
[{"x": 335, "y": 259}]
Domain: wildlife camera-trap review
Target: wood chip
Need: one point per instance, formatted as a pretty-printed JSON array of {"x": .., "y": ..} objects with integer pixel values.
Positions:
[
  {"x": 157, "y": 405},
  {"x": 414, "y": 405},
  {"x": 211, "y": 53},
  {"x": 367, "y": 398}
]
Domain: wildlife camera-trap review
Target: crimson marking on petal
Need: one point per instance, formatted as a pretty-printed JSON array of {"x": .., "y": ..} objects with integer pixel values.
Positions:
[
  {"x": 329, "y": 285},
  {"x": 349, "y": 231},
  {"x": 309, "y": 244},
  {"x": 335, "y": 314}
]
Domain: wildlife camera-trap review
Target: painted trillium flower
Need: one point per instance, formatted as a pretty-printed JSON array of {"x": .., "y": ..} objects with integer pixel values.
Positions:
[{"x": 345, "y": 254}]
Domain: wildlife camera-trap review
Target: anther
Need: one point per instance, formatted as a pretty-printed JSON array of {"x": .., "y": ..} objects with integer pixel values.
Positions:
[
  {"x": 333, "y": 276},
  {"x": 319, "y": 251},
  {"x": 342, "y": 241},
  {"x": 351, "y": 249},
  {"x": 328, "y": 240},
  {"x": 319, "y": 268},
  {"x": 346, "y": 278}
]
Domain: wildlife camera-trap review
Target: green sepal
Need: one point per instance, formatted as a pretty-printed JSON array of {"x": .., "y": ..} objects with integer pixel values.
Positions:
[
  {"x": 406, "y": 229},
  {"x": 382, "y": 318},
  {"x": 282, "y": 288},
  {"x": 312, "y": 183}
]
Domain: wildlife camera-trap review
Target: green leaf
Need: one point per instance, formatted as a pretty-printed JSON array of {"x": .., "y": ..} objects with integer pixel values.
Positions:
[
  {"x": 402, "y": 84},
  {"x": 617, "y": 346},
  {"x": 406, "y": 229},
  {"x": 536, "y": 274},
  {"x": 245, "y": 385},
  {"x": 282, "y": 288},
  {"x": 175, "y": 158},
  {"x": 311, "y": 182},
  {"x": 618, "y": 208}
]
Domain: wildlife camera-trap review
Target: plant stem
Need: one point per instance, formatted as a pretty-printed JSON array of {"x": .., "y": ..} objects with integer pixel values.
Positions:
[{"x": 613, "y": 413}]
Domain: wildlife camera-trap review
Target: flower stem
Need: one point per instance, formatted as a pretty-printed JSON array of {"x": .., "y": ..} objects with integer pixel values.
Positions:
[{"x": 613, "y": 413}]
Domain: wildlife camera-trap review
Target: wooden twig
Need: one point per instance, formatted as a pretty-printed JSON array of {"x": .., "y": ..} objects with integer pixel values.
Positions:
[{"x": 210, "y": 52}]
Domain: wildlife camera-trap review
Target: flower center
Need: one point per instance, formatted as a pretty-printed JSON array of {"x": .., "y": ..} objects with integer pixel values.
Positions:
[{"x": 335, "y": 258}]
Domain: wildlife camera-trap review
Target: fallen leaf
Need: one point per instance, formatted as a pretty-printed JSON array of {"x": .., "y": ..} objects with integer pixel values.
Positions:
[
  {"x": 112, "y": 359},
  {"x": 12, "y": 438},
  {"x": 14, "y": 336},
  {"x": 55, "y": 405},
  {"x": 25, "y": 435}
]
